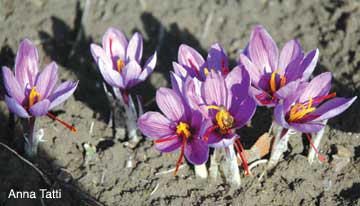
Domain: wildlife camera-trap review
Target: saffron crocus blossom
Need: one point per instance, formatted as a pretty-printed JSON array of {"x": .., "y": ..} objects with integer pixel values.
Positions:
[
  {"x": 31, "y": 93},
  {"x": 119, "y": 60},
  {"x": 224, "y": 100},
  {"x": 177, "y": 129},
  {"x": 119, "y": 64},
  {"x": 306, "y": 107},
  {"x": 191, "y": 63},
  {"x": 270, "y": 71}
]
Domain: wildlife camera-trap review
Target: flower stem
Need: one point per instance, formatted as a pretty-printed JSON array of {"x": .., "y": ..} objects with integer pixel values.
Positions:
[
  {"x": 317, "y": 140},
  {"x": 30, "y": 145},
  {"x": 214, "y": 166},
  {"x": 201, "y": 171},
  {"x": 280, "y": 144},
  {"x": 231, "y": 169}
]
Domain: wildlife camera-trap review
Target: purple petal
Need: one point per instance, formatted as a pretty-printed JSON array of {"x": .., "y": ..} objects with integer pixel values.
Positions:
[
  {"x": 238, "y": 84},
  {"x": 135, "y": 48},
  {"x": 193, "y": 96},
  {"x": 149, "y": 67},
  {"x": 190, "y": 57},
  {"x": 197, "y": 151},
  {"x": 12, "y": 86},
  {"x": 333, "y": 108},
  {"x": 263, "y": 50},
  {"x": 170, "y": 103},
  {"x": 155, "y": 126},
  {"x": 111, "y": 76},
  {"x": 40, "y": 108},
  {"x": 46, "y": 80},
  {"x": 176, "y": 82},
  {"x": 131, "y": 74},
  {"x": 245, "y": 112},
  {"x": 287, "y": 90},
  {"x": 169, "y": 146},
  {"x": 61, "y": 93},
  {"x": 279, "y": 116},
  {"x": 319, "y": 86},
  {"x": 254, "y": 71},
  {"x": 224, "y": 142},
  {"x": 213, "y": 90},
  {"x": 196, "y": 121},
  {"x": 309, "y": 63},
  {"x": 179, "y": 70},
  {"x": 291, "y": 51},
  {"x": 99, "y": 53},
  {"x": 26, "y": 63},
  {"x": 307, "y": 127},
  {"x": 15, "y": 107},
  {"x": 114, "y": 43},
  {"x": 217, "y": 58}
]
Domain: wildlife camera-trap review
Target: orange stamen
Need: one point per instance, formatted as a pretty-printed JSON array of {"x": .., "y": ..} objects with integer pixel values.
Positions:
[
  {"x": 120, "y": 65},
  {"x": 240, "y": 150},
  {"x": 321, "y": 158},
  {"x": 273, "y": 82},
  {"x": 71, "y": 128},
  {"x": 34, "y": 97}
]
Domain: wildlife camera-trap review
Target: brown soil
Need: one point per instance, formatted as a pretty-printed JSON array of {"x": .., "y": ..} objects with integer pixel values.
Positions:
[{"x": 61, "y": 35}]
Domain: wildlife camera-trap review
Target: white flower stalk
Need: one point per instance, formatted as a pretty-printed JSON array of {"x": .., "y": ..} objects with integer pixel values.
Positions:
[
  {"x": 201, "y": 171},
  {"x": 280, "y": 144},
  {"x": 316, "y": 140},
  {"x": 214, "y": 166},
  {"x": 33, "y": 139},
  {"x": 231, "y": 168}
]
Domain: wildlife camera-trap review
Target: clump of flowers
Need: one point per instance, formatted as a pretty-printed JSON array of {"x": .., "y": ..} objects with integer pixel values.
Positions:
[
  {"x": 224, "y": 100},
  {"x": 119, "y": 63},
  {"x": 31, "y": 94}
]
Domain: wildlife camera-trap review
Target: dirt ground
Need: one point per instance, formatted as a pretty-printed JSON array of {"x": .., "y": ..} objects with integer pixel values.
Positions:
[{"x": 62, "y": 35}]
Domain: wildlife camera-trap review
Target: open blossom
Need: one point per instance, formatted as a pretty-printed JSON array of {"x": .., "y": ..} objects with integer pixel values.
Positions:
[
  {"x": 305, "y": 106},
  {"x": 225, "y": 101},
  {"x": 191, "y": 63},
  {"x": 270, "y": 71},
  {"x": 177, "y": 129},
  {"x": 119, "y": 60},
  {"x": 31, "y": 93}
]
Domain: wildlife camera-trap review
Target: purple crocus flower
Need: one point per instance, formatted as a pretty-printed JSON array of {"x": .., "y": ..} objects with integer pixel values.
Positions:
[
  {"x": 119, "y": 60},
  {"x": 191, "y": 63},
  {"x": 224, "y": 100},
  {"x": 31, "y": 93},
  {"x": 177, "y": 129},
  {"x": 271, "y": 72},
  {"x": 305, "y": 106}
]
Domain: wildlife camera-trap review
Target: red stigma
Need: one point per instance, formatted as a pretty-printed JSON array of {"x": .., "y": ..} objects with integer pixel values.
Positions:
[
  {"x": 181, "y": 156},
  {"x": 223, "y": 68},
  {"x": 71, "y": 128},
  {"x": 194, "y": 67},
  {"x": 166, "y": 139},
  {"x": 321, "y": 158},
  {"x": 208, "y": 132},
  {"x": 240, "y": 150}
]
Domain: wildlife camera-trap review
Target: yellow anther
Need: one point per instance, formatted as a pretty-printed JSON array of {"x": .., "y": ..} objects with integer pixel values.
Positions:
[
  {"x": 206, "y": 71},
  {"x": 223, "y": 118},
  {"x": 34, "y": 97},
  {"x": 213, "y": 107},
  {"x": 120, "y": 65},
  {"x": 298, "y": 111},
  {"x": 273, "y": 81},
  {"x": 183, "y": 129}
]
